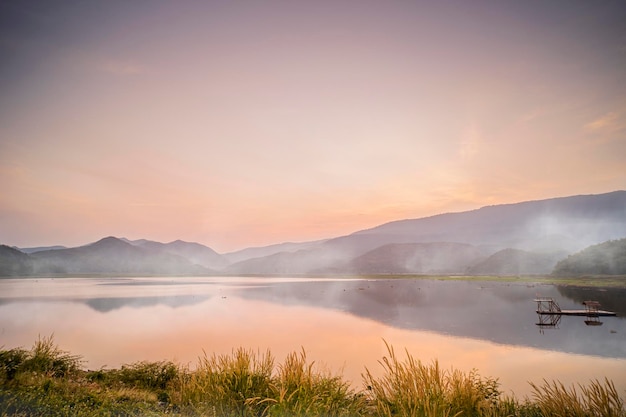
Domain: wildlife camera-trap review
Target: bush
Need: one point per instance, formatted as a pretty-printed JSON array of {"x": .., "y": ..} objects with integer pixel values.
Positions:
[
  {"x": 10, "y": 362},
  {"x": 150, "y": 375},
  {"x": 44, "y": 358}
]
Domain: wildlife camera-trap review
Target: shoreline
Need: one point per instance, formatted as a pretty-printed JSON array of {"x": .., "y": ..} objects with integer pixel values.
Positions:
[{"x": 592, "y": 281}]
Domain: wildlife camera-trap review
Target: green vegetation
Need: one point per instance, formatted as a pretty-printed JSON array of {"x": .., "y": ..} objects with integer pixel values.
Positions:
[
  {"x": 608, "y": 258},
  {"x": 46, "y": 381}
]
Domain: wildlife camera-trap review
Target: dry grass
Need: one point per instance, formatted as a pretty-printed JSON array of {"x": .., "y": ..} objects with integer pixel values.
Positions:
[
  {"x": 412, "y": 389},
  {"x": 246, "y": 383},
  {"x": 596, "y": 399},
  {"x": 299, "y": 389},
  {"x": 47, "y": 381},
  {"x": 233, "y": 384}
]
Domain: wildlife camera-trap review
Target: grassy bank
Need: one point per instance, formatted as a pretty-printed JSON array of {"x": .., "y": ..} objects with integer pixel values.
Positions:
[
  {"x": 600, "y": 281},
  {"x": 47, "y": 381},
  {"x": 611, "y": 281}
]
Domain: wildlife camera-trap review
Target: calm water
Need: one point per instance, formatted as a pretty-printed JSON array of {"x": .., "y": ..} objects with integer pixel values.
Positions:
[{"x": 342, "y": 324}]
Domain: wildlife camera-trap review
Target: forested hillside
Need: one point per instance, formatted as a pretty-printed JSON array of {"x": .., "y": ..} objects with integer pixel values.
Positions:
[{"x": 608, "y": 258}]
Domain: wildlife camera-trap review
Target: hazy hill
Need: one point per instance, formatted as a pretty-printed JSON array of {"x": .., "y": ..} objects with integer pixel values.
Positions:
[
  {"x": 314, "y": 260},
  {"x": 261, "y": 251},
  {"x": 40, "y": 248},
  {"x": 417, "y": 258},
  {"x": 559, "y": 225},
  {"x": 194, "y": 252},
  {"x": 567, "y": 223},
  {"x": 527, "y": 229},
  {"x": 608, "y": 258},
  {"x": 112, "y": 256},
  {"x": 516, "y": 262},
  {"x": 14, "y": 263}
]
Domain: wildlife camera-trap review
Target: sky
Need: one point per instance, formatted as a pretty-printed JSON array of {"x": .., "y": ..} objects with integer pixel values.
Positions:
[{"x": 248, "y": 123}]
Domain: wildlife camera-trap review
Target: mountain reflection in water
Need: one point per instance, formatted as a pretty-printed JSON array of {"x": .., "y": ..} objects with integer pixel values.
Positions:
[
  {"x": 104, "y": 305},
  {"x": 499, "y": 312}
]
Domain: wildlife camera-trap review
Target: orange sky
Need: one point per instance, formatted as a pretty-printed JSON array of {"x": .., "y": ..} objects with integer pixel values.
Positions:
[{"x": 252, "y": 123}]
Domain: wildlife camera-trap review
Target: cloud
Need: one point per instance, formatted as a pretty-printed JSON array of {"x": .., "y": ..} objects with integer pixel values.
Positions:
[
  {"x": 608, "y": 123},
  {"x": 121, "y": 68},
  {"x": 471, "y": 143}
]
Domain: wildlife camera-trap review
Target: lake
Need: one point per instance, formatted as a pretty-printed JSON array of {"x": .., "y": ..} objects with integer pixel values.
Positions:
[{"x": 341, "y": 323}]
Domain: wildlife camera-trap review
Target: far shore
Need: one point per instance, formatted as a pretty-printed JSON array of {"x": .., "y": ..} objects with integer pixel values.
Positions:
[{"x": 598, "y": 281}]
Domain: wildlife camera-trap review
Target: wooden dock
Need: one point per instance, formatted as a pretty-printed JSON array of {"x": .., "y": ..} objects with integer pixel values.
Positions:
[
  {"x": 547, "y": 306},
  {"x": 584, "y": 313}
]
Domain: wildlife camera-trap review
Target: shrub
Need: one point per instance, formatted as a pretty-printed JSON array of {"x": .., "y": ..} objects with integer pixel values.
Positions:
[
  {"x": 10, "y": 362},
  {"x": 44, "y": 358},
  {"x": 150, "y": 375}
]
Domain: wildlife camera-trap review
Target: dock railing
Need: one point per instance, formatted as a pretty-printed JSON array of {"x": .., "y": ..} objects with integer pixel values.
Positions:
[{"x": 547, "y": 305}]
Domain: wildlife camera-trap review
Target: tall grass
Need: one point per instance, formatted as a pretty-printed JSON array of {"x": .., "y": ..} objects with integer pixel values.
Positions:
[
  {"x": 596, "y": 399},
  {"x": 299, "y": 389},
  {"x": 224, "y": 385},
  {"x": 413, "y": 389},
  {"x": 47, "y": 381},
  {"x": 44, "y": 358},
  {"x": 246, "y": 383}
]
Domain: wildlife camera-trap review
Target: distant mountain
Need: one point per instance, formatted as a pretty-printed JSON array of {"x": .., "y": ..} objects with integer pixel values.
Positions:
[
  {"x": 259, "y": 252},
  {"x": 194, "y": 252},
  {"x": 14, "y": 263},
  {"x": 315, "y": 260},
  {"x": 608, "y": 258},
  {"x": 41, "y": 248},
  {"x": 197, "y": 253},
  {"x": 522, "y": 238},
  {"x": 559, "y": 225},
  {"x": 112, "y": 256},
  {"x": 417, "y": 258},
  {"x": 567, "y": 223},
  {"x": 516, "y": 262}
]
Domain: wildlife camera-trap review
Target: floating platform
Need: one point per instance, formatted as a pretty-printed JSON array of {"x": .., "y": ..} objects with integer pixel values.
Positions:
[
  {"x": 547, "y": 306},
  {"x": 585, "y": 313}
]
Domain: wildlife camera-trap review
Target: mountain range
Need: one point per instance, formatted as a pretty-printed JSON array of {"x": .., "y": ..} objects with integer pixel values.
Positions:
[{"x": 510, "y": 239}]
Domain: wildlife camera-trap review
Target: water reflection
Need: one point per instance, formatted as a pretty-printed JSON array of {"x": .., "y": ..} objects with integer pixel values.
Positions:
[
  {"x": 549, "y": 313},
  {"x": 111, "y": 303},
  {"x": 498, "y": 312},
  {"x": 548, "y": 321},
  {"x": 340, "y": 323},
  {"x": 612, "y": 299}
]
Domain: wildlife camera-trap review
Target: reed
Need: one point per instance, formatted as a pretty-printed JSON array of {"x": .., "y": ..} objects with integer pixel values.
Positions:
[
  {"x": 596, "y": 399},
  {"x": 299, "y": 389},
  {"x": 413, "y": 389},
  {"x": 224, "y": 385}
]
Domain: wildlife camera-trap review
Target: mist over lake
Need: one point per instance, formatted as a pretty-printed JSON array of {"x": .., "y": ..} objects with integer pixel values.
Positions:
[{"x": 341, "y": 323}]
